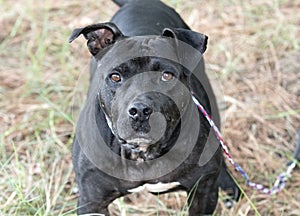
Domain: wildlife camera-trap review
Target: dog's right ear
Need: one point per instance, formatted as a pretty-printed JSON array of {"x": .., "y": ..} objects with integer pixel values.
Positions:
[
  {"x": 98, "y": 36},
  {"x": 195, "y": 39}
]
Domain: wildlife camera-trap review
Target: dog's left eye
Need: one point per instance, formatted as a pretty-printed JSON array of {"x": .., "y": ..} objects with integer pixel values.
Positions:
[
  {"x": 115, "y": 77},
  {"x": 167, "y": 76}
]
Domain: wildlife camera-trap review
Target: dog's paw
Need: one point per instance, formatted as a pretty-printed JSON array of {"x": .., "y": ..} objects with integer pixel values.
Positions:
[{"x": 233, "y": 196}]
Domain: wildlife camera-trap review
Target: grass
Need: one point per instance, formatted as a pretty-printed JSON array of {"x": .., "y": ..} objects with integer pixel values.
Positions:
[{"x": 253, "y": 53}]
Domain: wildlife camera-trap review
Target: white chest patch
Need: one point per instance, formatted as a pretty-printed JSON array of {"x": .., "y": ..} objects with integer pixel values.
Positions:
[{"x": 155, "y": 188}]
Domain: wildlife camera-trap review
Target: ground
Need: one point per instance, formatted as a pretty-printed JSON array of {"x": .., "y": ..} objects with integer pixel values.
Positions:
[{"x": 253, "y": 56}]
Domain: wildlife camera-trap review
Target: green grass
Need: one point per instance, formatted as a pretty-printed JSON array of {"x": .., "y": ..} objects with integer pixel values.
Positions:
[{"x": 253, "y": 49}]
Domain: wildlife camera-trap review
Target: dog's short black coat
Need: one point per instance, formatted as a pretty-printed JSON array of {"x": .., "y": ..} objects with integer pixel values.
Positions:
[{"x": 130, "y": 120}]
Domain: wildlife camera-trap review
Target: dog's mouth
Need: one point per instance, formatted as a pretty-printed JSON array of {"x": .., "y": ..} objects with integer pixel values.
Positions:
[{"x": 139, "y": 149}]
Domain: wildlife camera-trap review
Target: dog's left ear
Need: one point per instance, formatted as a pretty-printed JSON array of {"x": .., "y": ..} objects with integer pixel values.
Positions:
[
  {"x": 195, "y": 39},
  {"x": 98, "y": 36}
]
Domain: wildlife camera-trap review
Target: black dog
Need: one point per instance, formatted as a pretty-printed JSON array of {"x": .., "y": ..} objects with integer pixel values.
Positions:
[{"x": 139, "y": 126}]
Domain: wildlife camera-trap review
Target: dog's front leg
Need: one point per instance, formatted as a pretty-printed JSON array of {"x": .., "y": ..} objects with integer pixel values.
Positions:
[
  {"x": 203, "y": 197},
  {"x": 90, "y": 207},
  {"x": 96, "y": 193}
]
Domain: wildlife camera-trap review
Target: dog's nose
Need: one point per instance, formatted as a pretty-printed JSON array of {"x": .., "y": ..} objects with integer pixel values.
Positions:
[{"x": 140, "y": 112}]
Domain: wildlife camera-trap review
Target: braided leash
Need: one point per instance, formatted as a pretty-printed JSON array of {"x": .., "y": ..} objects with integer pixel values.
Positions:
[{"x": 281, "y": 179}]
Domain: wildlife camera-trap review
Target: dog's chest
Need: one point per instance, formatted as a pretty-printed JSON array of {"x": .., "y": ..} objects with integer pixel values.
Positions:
[{"x": 155, "y": 188}]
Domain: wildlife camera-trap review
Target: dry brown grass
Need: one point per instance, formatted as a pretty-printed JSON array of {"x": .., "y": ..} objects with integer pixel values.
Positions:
[{"x": 253, "y": 51}]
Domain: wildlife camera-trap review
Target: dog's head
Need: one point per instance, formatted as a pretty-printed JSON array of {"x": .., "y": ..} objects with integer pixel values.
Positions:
[{"x": 144, "y": 95}]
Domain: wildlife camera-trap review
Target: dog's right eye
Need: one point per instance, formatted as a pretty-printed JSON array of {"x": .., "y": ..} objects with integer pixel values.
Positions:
[
  {"x": 115, "y": 77},
  {"x": 167, "y": 76}
]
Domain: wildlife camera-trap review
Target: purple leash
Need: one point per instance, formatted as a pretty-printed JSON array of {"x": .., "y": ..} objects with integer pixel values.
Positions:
[{"x": 281, "y": 179}]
